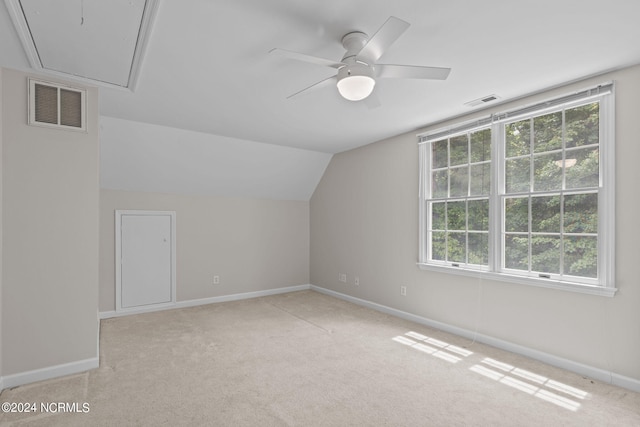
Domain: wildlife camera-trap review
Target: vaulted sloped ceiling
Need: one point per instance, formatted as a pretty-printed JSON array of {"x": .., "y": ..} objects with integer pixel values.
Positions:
[
  {"x": 206, "y": 69},
  {"x": 146, "y": 157}
]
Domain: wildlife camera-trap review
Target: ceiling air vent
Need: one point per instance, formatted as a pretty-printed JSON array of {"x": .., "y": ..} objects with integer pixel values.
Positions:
[
  {"x": 58, "y": 106},
  {"x": 483, "y": 100}
]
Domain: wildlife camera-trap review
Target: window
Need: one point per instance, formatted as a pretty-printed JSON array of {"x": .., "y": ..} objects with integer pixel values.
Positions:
[{"x": 524, "y": 196}]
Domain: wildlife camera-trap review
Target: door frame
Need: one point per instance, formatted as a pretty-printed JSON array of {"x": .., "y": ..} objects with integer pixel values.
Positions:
[{"x": 118, "y": 260}]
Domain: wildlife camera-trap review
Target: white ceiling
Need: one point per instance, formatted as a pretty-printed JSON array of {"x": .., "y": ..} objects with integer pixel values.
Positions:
[{"x": 207, "y": 68}]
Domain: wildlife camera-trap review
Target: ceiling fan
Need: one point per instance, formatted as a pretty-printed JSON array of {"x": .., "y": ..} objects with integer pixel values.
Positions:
[{"x": 358, "y": 70}]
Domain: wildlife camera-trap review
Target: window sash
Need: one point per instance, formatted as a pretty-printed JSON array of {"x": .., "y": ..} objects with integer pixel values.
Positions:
[
  {"x": 534, "y": 193},
  {"x": 469, "y": 195}
]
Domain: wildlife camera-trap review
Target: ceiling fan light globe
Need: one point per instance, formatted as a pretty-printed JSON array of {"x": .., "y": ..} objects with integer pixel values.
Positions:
[{"x": 356, "y": 88}]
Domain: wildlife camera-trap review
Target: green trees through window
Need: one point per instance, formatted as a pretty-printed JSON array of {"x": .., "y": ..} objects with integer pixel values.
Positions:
[
  {"x": 461, "y": 178},
  {"x": 551, "y": 192}
]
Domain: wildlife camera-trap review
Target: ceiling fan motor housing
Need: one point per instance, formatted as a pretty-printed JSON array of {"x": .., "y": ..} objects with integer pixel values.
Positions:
[
  {"x": 355, "y": 80},
  {"x": 355, "y": 68}
]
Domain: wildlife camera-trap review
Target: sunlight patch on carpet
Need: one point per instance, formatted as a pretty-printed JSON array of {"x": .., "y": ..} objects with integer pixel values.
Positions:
[
  {"x": 535, "y": 385},
  {"x": 432, "y": 346},
  {"x": 528, "y": 382}
]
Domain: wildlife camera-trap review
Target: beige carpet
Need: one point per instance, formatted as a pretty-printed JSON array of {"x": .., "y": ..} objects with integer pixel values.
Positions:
[{"x": 307, "y": 359}]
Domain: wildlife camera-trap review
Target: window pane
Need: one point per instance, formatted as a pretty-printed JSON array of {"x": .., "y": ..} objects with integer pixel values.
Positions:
[
  {"x": 439, "y": 154},
  {"x": 459, "y": 181},
  {"x": 459, "y": 150},
  {"x": 456, "y": 216},
  {"x": 581, "y": 256},
  {"x": 517, "y": 175},
  {"x": 478, "y": 212},
  {"x": 518, "y": 138},
  {"x": 481, "y": 146},
  {"x": 479, "y": 248},
  {"x": 545, "y": 214},
  {"x": 440, "y": 184},
  {"x": 581, "y": 213},
  {"x": 438, "y": 216},
  {"x": 547, "y": 132},
  {"x": 516, "y": 252},
  {"x": 547, "y": 172},
  {"x": 439, "y": 245},
  {"x": 582, "y": 125},
  {"x": 516, "y": 212},
  {"x": 584, "y": 172},
  {"x": 545, "y": 254},
  {"x": 480, "y": 184},
  {"x": 457, "y": 247}
]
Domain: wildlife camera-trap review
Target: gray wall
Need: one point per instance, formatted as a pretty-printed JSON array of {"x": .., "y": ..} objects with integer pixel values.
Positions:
[
  {"x": 1, "y": 239},
  {"x": 49, "y": 237},
  {"x": 252, "y": 244},
  {"x": 364, "y": 223}
]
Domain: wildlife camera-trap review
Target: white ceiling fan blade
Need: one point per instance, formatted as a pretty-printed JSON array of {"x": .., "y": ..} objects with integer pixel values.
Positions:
[
  {"x": 307, "y": 58},
  {"x": 383, "y": 38},
  {"x": 318, "y": 85},
  {"x": 412, "y": 72}
]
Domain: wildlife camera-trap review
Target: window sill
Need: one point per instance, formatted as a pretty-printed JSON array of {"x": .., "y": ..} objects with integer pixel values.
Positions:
[{"x": 530, "y": 281}]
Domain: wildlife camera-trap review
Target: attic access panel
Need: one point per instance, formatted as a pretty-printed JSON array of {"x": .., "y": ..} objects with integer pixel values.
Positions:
[{"x": 95, "y": 41}]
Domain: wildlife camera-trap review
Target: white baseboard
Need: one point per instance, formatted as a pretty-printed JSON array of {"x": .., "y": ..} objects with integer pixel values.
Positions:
[
  {"x": 137, "y": 310},
  {"x": 570, "y": 365},
  {"x": 204, "y": 301},
  {"x": 246, "y": 295},
  {"x": 48, "y": 373}
]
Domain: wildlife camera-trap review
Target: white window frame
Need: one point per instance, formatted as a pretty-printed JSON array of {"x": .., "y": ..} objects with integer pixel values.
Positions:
[{"x": 605, "y": 284}]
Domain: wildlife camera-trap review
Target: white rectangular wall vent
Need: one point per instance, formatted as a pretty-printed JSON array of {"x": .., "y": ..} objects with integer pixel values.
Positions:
[
  {"x": 54, "y": 105},
  {"x": 483, "y": 100}
]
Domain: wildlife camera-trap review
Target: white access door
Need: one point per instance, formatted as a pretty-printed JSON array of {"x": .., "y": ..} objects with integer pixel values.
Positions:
[{"x": 146, "y": 258}]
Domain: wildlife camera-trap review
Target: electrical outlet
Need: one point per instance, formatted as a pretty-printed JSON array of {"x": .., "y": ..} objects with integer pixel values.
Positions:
[
  {"x": 216, "y": 280},
  {"x": 403, "y": 291},
  {"x": 342, "y": 278},
  {"x": 356, "y": 281}
]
